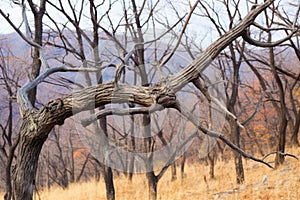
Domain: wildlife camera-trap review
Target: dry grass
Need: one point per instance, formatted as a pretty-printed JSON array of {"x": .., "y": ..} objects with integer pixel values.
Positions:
[{"x": 283, "y": 183}]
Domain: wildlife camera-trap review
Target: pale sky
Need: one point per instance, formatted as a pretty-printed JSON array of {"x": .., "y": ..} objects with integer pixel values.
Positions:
[
  {"x": 14, "y": 13},
  {"x": 198, "y": 26}
]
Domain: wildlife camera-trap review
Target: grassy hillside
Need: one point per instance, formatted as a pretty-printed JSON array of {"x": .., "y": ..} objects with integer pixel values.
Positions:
[{"x": 283, "y": 183}]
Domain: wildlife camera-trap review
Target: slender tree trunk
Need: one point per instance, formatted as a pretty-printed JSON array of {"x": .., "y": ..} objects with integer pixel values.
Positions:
[
  {"x": 109, "y": 183},
  {"x": 38, "y": 13},
  {"x": 11, "y": 149},
  {"x": 30, "y": 145},
  {"x": 152, "y": 185},
  {"x": 132, "y": 140},
  {"x": 294, "y": 138},
  {"x": 279, "y": 159},
  {"x": 108, "y": 174},
  {"x": 107, "y": 171},
  {"x": 148, "y": 140},
  {"x": 8, "y": 194},
  {"x": 149, "y": 145},
  {"x": 211, "y": 160},
  {"x": 174, "y": 174},
  {"x": 235, "y": 137},
  {"x": 234, "y": 128},
  {"x": 182, "y": 165}
]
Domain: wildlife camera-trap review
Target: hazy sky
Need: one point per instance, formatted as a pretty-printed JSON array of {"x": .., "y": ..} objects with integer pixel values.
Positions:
[
  {"x": 14, "y": 14},
  {"x": 199, "y": 27}
]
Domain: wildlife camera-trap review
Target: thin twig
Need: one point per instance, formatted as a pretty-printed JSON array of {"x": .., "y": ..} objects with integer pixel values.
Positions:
[
  {"x": 180, "y": 36},
  {"x": 220, "y": 136}
]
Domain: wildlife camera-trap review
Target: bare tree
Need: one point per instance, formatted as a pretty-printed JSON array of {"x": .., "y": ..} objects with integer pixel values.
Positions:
[
  {"x": 230, "y": 63},
  {"x": 278, "y": 73},
  {"x": 9, "y": 84},
  {"x": 38, "y": 122},
  {"x": 93, "y": 42}
]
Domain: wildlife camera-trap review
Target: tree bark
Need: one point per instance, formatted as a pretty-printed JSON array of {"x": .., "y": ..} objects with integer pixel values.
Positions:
[
  {"x": 108, "y": 174},
  {"x": 109, "y": 183},
  {"x": 38, "y": 123},
  {"x": 9, "y": 189},
  {"x": 279, "y": 159},
  {"x": 38, "y": 13},
  {"x": 234, "y": 127},
  {"x": 238, "y": 162},
  {"x": 152, "y": 185},
  {"x": 182, "y": 165},
  {"x": 27, "y": 160},
  {"x": 211, "y": 161},
  {"x": 294, "y": 138},
  {"x": 174, "y": 174}
]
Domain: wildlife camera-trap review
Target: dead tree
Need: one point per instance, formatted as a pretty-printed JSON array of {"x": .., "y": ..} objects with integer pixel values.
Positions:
[{"x": 37, "y": 123}]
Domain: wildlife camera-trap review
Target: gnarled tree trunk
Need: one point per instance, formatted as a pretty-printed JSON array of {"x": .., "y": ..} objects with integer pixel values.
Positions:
[
  {"x": 31, "y": 142},
  {"x": 37, "y": 123}
]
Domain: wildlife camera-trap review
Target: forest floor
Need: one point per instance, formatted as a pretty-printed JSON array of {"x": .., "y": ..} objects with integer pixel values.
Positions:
[{"x": 261, "y": 183}]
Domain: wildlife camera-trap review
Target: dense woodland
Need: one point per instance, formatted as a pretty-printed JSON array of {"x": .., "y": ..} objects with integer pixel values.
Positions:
[{"x": 97, "y": 89}]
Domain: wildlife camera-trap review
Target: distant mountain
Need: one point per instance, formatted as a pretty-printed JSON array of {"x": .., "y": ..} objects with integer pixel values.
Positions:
[{"x": 15, "y": 44}]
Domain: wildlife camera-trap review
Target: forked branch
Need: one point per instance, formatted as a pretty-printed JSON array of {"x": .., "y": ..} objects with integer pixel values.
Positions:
[
  {"x": 281, "y": 153},
  {"x": 22, "y": 95}
]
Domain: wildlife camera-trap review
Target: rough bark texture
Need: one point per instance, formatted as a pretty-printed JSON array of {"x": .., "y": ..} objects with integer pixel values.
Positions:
[
  {"x": 29, "y": 149},
  {"x": 38, "y": 123}
]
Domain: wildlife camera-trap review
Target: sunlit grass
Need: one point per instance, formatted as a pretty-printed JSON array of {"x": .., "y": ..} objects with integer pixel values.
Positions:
[{"x": 283, "y": 183}]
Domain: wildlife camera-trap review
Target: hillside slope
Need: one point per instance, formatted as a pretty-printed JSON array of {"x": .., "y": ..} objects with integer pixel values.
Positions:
[{"x": 261, "y": 183}]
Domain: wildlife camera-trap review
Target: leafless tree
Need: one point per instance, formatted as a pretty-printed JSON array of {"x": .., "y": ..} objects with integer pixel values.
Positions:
[
  {"x": 273, "y": 63},
  {"x": 38, "y": 122},
  {"x": 9, "y": 84}
]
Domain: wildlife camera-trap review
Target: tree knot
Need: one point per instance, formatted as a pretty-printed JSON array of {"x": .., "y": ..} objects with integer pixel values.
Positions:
[
  {"x": 54, "y": 105},
  {"x": 166, "y": 97}
]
